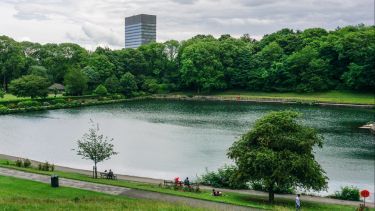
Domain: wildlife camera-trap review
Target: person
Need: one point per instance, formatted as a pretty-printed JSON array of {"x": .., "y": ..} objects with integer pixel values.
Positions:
[
  {"x": 187, "y": 182},
  {"x": 298, "y": 202},
  {"x": 216, "y": 193},
  {"x": 110, "y": 174}
]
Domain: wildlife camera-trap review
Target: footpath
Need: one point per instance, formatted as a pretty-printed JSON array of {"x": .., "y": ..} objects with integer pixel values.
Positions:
[{"x": 131, "y": 193}]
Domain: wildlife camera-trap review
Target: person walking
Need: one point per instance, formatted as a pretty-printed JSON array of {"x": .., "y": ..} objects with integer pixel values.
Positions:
[{"x": 298, "y": 202}]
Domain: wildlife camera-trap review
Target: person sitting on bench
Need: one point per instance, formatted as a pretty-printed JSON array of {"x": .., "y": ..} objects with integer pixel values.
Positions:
[
  {"x": 110, "y": 174},
  {"x": 216, "y": 193}
]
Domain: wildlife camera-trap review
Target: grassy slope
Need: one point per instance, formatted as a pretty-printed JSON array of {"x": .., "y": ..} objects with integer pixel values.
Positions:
[
  {"x": 345, "y": 97},
  {"x": 18, "y": 194},
  {"x": 231, "y": 198}
]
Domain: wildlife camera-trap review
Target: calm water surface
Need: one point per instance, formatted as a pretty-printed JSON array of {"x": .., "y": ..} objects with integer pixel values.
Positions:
[{"x": 164, "y": 139}]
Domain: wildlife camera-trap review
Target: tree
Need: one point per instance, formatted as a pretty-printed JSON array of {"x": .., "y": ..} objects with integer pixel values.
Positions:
[
  {"x": 101, "y": 90},
  {"x": 94, "y": 146},
  {"x": 201, "y": 68},
  {"x": 112, "y": 84},
  {"x": 75, "y": 82},
  {"x": 128, "y": 83},
  {"x": 30, "y": 86},
  {"x": 278, "y": 152}
]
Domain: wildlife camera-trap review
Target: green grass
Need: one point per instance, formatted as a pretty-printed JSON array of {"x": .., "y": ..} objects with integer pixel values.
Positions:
[
  {"x": 12, "y": 98},
  {"x": 19, "y": 194},
  {"x": 230, "y": 198},
  {"x": 344, "y": 97}
]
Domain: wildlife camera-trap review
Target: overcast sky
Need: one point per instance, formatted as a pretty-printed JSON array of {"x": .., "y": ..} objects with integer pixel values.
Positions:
[{"x": 101, "y": 22}]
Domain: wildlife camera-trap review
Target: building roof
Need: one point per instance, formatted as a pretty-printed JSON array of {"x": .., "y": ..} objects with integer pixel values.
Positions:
[{"x": 57, "y": 86}]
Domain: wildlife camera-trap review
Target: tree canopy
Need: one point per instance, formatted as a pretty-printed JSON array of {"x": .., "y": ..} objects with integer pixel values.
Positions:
[
  {"x": 30, "y": 86},
  {"x": 312, "y": 60},
  {"x": 278, "y": 152}
]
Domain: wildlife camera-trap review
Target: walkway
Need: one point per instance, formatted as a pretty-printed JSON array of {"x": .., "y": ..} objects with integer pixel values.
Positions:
[{"x": 115, "y": 190}]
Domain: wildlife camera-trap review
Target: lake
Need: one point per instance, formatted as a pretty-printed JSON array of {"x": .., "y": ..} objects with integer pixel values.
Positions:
[{"x": 165, "y": 139}]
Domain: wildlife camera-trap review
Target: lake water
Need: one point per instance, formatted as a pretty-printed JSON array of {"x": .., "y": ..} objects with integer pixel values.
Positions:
[{"x": 165, "y": 139}]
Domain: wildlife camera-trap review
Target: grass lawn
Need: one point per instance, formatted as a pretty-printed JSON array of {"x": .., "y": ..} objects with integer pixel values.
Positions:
[
  {"x": 345, "y": 97},
  {"x": 231, "y": 198},
  {"x": 10, "y": 97},
  {"x": 19, "y": 194}
]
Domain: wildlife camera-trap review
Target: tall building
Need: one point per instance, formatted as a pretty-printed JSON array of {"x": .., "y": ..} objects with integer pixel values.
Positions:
[{"x": 140, "y": 30}]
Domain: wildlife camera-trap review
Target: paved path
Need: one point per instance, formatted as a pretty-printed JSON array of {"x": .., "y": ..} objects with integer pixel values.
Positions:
[{"x": 132, "y": 193}]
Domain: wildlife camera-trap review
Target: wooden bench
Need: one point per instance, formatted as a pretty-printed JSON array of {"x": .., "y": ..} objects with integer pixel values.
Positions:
[{"x": 104, "y": 175}]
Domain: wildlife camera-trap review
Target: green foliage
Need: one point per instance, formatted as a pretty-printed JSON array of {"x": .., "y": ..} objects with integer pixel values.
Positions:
[
  {"x": 30, "y": 86},
  {"x": 113, "y": 84},
  {"x": 26, "y": 163},
  {"x": 128, "y": 83},
  {"x": 312, "y": 60},
  {"x": 2, "y": 93},
  {"x": 278, "y": 152},
  {"x": 101, "y": 90},
  {"x": 28, "y": 103},
  {"x": 75, "y": 82},
  {"x": 94, "y": 146},
  {"x": 347, "y": 193},
  {"x": 225, "y": 177},
  {"x": 46, "y": 166}
]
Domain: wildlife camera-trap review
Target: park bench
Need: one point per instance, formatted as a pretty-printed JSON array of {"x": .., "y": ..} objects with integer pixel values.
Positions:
[{"x": 104, "y": 175}]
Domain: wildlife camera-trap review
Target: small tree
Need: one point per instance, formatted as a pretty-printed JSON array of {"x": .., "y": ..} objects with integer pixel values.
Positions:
[
  {"x": 94, "y": 146},
  {"x": 29, "y": 86},
  {"x": 101, "y": 90},
  {"x": 278, "y": 152}
]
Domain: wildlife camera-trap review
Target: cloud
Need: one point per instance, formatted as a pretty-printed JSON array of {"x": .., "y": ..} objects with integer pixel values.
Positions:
[{"x": 101, "y": 22}]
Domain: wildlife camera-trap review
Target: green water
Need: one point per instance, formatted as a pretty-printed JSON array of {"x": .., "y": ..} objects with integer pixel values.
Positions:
[{"x": 165, "y": 139}]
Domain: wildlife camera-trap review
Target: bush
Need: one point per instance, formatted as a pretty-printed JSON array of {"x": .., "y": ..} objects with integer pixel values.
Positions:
[
  {"x": 28, "y": 103},
  {"x": 46, "y": 166},
  {"x": 101, "y": 90},
  {"x": 26, "y": 163},
  {"x": 225, "y": 177},
  {"x": 347, "y": 193},
  {"x": 3, "y": 108},
  {"x": 18, "y": 163},
  {"x": 57, "y": 101}
]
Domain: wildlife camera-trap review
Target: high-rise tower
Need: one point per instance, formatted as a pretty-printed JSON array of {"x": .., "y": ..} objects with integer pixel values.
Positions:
[{"x": 140, "y": 30}]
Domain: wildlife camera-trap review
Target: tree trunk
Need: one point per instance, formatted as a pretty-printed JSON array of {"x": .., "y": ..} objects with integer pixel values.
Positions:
[
  {"x": 271, "y": 196},
  {"x": 95, "y": 172}
]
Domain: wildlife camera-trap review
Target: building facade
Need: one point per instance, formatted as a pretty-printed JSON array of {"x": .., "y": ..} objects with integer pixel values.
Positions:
[{"x": 140, "y": 30}]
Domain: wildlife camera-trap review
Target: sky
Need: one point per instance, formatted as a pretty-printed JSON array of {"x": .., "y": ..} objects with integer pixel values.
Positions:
[{"x": 93, "y": 23}]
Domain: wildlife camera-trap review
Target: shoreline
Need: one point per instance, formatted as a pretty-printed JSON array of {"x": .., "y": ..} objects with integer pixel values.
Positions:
[
  {"x": 258, "y": 100},
  {"x": 154, "y": 181}
]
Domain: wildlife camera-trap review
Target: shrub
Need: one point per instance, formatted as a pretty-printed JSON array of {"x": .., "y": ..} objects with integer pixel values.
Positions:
[
  {"x": 18, "y": 163},
  {"x": 225, "y": 177},
  {"x": 26, "y": 163},
  {"x": 101, "y": 90},
  {"x": 3, "y": 108},
  {"x": 28, "y": 103},
  {"x": 57, "y": 101},
  {"x": 347, "y": 193},
  {"x": 46, "y": 166}
]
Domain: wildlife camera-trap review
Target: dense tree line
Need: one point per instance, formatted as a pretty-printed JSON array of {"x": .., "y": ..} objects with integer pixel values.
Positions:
[{"x": 300, "y": 61}]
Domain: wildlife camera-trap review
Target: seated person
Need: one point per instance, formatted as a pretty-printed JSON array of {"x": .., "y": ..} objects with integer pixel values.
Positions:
[
  {"x": 187, "y": 182},
  {"x": 110, "y": 174},
  {"x": 216, "y": 193}
]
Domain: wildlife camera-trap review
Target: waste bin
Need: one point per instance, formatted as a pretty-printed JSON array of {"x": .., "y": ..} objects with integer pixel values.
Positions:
[{"x": 54, "y": 181}]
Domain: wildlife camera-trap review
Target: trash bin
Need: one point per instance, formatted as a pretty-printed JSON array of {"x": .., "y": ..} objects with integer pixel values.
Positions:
[{"x": 54, "y": 181}]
